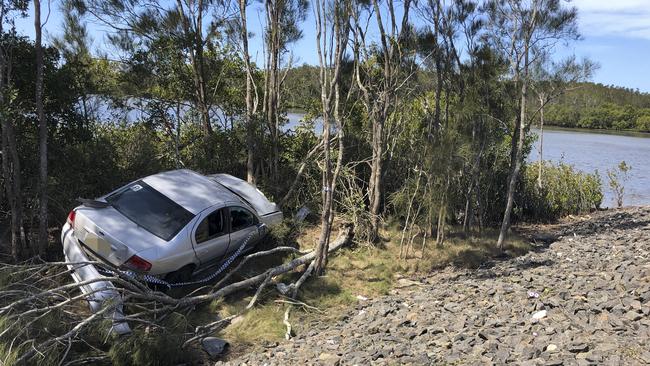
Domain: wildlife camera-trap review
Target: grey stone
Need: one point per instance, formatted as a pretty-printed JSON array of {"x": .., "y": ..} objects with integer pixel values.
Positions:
[
  {"x": 595, "y": 293},
  {"x": 215, "y": 347}
]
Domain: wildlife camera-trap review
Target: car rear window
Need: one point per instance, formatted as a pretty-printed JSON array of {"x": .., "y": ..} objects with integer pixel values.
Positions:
[{"x": 150, "y": 209}]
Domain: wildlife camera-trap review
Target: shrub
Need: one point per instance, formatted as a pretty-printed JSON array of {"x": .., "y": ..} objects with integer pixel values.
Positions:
[
  {"x": 617, "y": 179},
  {"x": 643, "y": 123},
  {"x": 156, "y": 346},
  {"x": 564, "y": 191}
]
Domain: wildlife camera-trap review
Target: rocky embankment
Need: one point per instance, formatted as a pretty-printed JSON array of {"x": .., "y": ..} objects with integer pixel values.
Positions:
[{"x": 583, "y": 299}]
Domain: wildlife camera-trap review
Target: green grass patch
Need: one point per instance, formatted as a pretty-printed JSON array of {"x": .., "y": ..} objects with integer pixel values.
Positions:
[
  {"x": 359, "y": 271},
  {"x": 263, "y": 323}
]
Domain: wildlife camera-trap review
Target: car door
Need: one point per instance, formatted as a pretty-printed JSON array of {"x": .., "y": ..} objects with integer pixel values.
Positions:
[
  {"x": 243, "y": 223},
  {"x": 210, "y": 237}
]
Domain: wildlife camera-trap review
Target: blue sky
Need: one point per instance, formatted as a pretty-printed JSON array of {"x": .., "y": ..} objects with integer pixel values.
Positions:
[{"x": 616, "y": 35}]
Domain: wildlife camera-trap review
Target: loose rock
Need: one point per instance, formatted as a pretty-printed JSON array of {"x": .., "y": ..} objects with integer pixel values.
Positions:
[{"x": 593, "y": 309}]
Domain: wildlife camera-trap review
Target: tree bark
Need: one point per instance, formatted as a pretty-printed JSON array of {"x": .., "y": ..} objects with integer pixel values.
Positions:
[
  {"x": 197, "y": 61},
  {"x": 12, "y": 181},
  {"x": 271, "y": 90},
  {"x": 541, "y": 141},
  {"x": 330, "y": 53},
  {"x": 375, "y": 186},
  {"x": 42, "y": 135},
  {"x": 250, "y": 106},
  {"x": 10, "y": 159},
  {"x": 516, "y": 156}
]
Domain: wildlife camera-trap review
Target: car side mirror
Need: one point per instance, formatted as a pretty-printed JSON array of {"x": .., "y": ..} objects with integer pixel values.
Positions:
[{"x": 262, "y": 229}]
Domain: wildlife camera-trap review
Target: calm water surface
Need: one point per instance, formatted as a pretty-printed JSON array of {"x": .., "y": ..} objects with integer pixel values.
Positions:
[{"x": 590, "y": 151}]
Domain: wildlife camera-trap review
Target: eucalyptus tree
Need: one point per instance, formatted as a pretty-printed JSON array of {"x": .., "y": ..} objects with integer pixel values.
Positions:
[
  {"x": 381, "y": 71},
  {"x": 11, "y": 164},
  {"x": 281, "y": 28},
  {"x": 183, "y": 30},
  {"x": 521, "y": 30},
  {"x": 332, "y": 32},
  {"x": 550, "y": 80},
  {"x": 42, "y": 133},
  {"x": 252, "y": 99},
  {"x": 437, "y": 44}
]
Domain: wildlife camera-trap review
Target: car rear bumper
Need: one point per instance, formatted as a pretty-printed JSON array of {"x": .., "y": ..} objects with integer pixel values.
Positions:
[{"x": 100, "y": 293}]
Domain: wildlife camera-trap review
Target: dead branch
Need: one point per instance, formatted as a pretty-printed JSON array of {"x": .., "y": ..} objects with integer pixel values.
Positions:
[
  {"x": 251, "y": 256},
  {"x": 301, "y": 170},
  {"x": 286, "y": 322},
  {"x": 24, "y": 303},
  {"x": 203, "y": 330},
  {"x": 67, "y": 336},
  {"x": 344, "y": 237}
]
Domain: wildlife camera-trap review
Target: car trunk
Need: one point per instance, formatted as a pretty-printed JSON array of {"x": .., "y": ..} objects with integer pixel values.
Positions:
[
  {"x": 110, "y": 236},
  {"x": 248, "y": 193}
]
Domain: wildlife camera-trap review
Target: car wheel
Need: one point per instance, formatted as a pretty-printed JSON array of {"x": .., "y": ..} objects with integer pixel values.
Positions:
[{"x": 182, "y": 275}]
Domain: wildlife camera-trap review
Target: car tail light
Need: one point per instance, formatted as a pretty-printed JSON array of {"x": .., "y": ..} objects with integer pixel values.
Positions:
[
  {"x": 71, "y": 217},
  {"x": 137, "y": 264}
]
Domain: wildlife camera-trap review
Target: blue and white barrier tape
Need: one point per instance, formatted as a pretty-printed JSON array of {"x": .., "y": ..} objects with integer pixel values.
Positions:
[{"x": 157, "y": 281}]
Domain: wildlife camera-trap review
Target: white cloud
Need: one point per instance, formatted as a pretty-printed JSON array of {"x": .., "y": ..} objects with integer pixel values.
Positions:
[{"x": 619, "y": 18}]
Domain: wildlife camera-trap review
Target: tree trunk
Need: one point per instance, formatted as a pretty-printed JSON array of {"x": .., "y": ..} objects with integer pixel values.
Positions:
[
  {"x": 376, "y": 183},
  {"x": 329, "y": 77},
  {"x": 250, "y": 107},
  {"x": 442, "y": 214},
  {"x": 10, "y": 160},
  {"x": 197, "y": 61},
  {"x": 323, "y": 241},
  {"x": 271, "y": 90},
  {"x": 516, "y": 156},
  {"x": 541, "y": 141},
  {"x": 42, "y": 135},
  {"x": 12, "y": 181}
]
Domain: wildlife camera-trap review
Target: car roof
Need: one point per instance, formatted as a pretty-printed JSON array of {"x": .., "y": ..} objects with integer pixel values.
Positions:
[{"x": 193, "y": 191}]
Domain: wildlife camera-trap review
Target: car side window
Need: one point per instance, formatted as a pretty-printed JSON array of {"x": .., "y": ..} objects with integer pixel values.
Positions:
[
  {"x": 211, "y": 227},
  {"x": 241, "y": 218}
]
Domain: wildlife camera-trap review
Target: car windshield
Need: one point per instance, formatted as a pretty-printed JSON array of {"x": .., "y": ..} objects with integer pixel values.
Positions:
[{"x": 150, "y": 209}]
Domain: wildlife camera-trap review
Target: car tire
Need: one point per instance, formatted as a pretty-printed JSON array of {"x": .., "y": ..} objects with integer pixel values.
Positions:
[{"x": 182, "y": 275}]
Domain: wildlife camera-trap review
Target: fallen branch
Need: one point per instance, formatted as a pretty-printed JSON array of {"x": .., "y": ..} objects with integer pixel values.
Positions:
[
  {"x": 301, "y": 170},
  {"x": 25, "y": 301},
  {"x": 286, "y": 322},
  {"x": 251, "y": 256},
  {"x": 204, "y": 330},
  {"x": 67, "y": 336},
  {"x": 344, "y": 237},
  {"x": 299, "y": 303}
]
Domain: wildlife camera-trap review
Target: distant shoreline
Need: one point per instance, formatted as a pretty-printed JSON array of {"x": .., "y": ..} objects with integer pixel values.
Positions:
[{"x": 630, "y": 133}]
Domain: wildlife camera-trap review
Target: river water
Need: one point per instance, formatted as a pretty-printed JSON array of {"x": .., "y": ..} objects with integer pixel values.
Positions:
[{"x": 589, "y": 151}]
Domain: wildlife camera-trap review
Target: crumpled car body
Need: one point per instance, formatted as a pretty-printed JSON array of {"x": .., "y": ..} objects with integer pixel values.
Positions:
[{"x": 170, "y": 225}]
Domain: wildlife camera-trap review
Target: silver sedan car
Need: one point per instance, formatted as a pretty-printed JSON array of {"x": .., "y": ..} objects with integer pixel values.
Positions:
[{"x": 169, "y": 225}]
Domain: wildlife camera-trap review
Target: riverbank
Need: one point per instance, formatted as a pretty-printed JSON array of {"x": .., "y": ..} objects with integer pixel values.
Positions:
[
  {"x": 630, "y": 133},
  {"x": 601, "y": 151},
  {"x": 582, "y": 299}
]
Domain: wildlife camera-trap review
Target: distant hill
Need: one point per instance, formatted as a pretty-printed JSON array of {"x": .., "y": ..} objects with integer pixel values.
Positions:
[
  {"x": 586, "y": 105},
  {"x": 591, "y": 105},
  {"x": 302, "y": 87}
]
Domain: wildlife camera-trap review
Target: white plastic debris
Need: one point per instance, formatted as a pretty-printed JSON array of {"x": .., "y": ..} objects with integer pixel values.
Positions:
[
  {"x": 533, "y": 295},
  {"x": 361, "y": 298},
  {"x": 539, "y": 315}
]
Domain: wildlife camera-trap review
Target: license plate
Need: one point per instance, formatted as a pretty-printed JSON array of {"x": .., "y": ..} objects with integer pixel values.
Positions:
[{"x": 98, "y": 245}]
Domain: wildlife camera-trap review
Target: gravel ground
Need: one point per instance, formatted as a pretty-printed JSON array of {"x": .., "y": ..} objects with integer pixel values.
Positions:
[{"x": 584, "y": 299}]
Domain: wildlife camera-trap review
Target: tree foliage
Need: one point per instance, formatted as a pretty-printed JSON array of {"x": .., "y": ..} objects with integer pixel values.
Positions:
[{"x": 447, "y": 111}]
